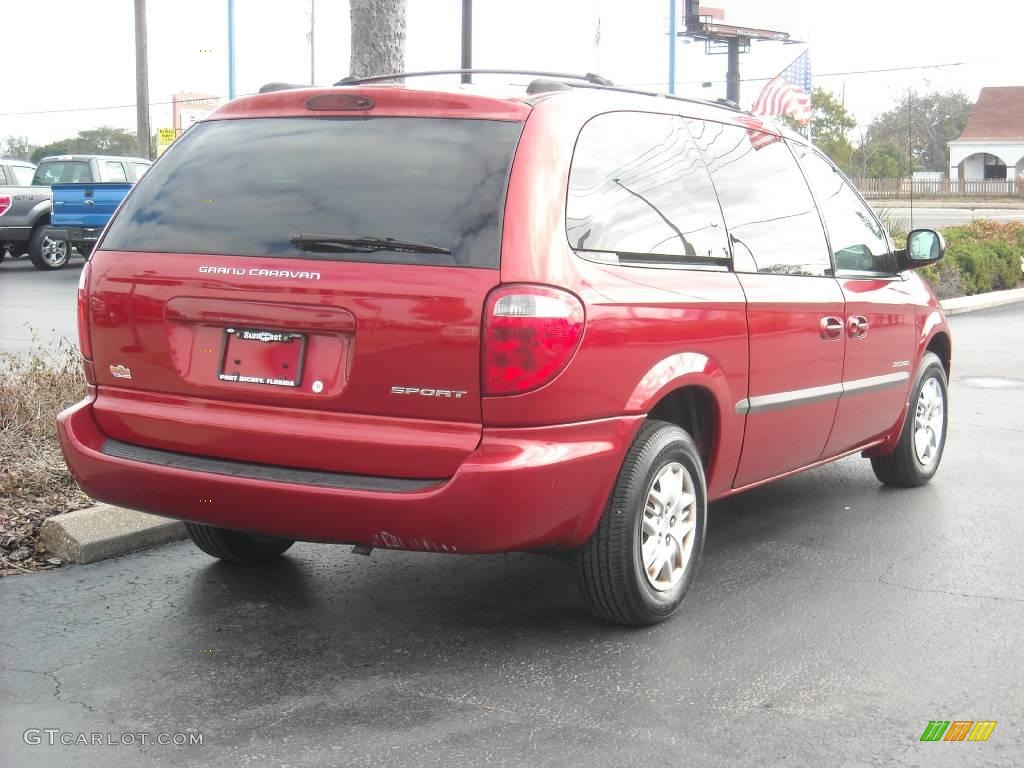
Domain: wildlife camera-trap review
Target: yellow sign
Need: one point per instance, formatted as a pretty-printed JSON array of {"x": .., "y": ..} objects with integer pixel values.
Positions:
[{"x": 164, "y": 138}]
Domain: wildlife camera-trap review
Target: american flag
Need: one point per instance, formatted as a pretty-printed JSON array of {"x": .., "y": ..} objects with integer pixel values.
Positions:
[{"x": 788, "y": 93}]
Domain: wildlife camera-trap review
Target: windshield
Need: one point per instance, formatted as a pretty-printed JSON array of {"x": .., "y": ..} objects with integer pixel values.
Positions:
[{"x": 246, "y": 187}]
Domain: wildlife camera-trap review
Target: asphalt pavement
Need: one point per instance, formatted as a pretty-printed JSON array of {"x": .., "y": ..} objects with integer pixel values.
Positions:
[
  {"x": 832, "y": 620},
  {"x": 37, "y": 308},
  {"x": 939, "y": 218}
]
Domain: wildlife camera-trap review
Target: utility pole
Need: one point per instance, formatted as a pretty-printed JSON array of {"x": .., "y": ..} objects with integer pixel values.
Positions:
[
  {"x": 231, "y": 49},
  {"x": 312, "y": 48},
  {"x": 141, "y": 81},
  {"x": 467, "y": 39}
]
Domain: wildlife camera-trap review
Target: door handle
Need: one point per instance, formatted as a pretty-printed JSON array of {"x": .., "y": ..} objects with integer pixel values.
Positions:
[
  {"x": 831, "y": 328},
  {"x": 857, "y": 326},
  {"x": 89, "y": 202}
]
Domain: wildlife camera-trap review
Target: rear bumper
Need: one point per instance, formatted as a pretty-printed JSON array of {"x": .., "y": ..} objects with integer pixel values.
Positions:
[
  {"x": 75, "y": 234},
  {"x": 520, "y": 489}
]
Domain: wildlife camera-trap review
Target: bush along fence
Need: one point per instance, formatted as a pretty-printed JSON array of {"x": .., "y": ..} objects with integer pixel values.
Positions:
[
  {"x": 980, "y": 257},
  {"x": 899, "y": 189}
]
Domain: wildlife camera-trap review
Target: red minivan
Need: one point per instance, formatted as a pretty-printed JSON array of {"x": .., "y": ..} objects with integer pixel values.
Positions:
[{"x": 565, "y": 319}]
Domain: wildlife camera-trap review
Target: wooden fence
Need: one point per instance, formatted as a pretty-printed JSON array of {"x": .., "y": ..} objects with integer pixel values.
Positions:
[{"x": 891, "y": 189}]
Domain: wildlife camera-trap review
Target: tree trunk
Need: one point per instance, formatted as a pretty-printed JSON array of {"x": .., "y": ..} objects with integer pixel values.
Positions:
[{"x": 378, "y": 37}]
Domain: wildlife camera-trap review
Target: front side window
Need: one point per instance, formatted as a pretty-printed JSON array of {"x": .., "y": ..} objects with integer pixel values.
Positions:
[
  {"x": 139, "y": 168},
  {"x": 773, "y": 225},
  {"x": 62, "y": 172},
  {"x": 859, "y": 244},
  {"x": 639, "y": 192},
  {"x": 114, "y": 171}
]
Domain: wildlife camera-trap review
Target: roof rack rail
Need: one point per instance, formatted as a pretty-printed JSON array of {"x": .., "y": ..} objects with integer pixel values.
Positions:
[
  {"x": 716, "y": 103},
  {"x": 588, "y": 77},
  {"x": 272, "y": 87}
]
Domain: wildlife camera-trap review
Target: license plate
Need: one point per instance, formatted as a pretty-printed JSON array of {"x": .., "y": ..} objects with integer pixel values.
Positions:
[{"x": 259, "y": 356}]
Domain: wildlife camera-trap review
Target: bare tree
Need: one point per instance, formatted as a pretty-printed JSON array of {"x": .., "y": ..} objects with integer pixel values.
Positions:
[{"x": 378, "y": 37}]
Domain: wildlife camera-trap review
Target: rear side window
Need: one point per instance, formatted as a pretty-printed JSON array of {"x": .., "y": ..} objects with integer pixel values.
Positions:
[
  {"x": 638, "y": 191},
  {"x": 62, "y": 172},
  {"x": 114, "y": 171},
  {"x": 22, "y": 175},
  {"x": 247, "y": 187},
  {"x": 773, "y": 224}
]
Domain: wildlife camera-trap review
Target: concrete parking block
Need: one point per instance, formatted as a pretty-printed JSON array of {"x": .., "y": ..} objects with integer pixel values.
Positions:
[
  {"x": 982, "y": 301},
  {"x": 103, "y": 531}
]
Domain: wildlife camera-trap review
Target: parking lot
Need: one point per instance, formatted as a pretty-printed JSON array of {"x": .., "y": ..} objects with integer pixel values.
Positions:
[
  {"x": 832, "y": 619},
  {"x": 36, "y": 306}
]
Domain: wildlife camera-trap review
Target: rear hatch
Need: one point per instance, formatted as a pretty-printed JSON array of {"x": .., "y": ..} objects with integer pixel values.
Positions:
[{"x": 304, "y": 287}]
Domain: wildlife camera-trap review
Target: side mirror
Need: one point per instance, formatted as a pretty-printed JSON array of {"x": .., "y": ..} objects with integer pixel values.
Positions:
[{"x": 924, "y": 247}]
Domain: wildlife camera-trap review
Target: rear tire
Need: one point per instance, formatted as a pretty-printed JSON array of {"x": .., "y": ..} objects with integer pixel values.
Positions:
[
  {"x": 917, "y": 455},
  {"x": 236, "y": 546},
  {"x": 638, "y": 565},
  {"x": 47, "y": 252}
]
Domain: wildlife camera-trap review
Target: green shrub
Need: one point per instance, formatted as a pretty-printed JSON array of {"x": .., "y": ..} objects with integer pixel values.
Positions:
[{"x": 981, "y": 256}]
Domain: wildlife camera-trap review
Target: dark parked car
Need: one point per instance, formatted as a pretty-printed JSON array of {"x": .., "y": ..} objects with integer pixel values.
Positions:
[{"x": 562, "y": 320}]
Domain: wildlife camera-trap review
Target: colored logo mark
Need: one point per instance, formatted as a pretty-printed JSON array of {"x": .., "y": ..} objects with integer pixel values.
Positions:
[{"x": 958, "y": 730}]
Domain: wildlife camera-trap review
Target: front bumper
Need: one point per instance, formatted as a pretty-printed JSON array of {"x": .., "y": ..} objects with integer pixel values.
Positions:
[{"x": 521, "y": 489}]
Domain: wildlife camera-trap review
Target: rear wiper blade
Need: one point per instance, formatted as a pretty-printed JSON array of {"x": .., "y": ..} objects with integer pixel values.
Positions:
[{"x": 364, "y": 244}]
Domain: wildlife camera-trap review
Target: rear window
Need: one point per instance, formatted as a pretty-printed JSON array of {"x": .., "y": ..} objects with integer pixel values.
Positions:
[
  {"x": 246, "y": 187},
  {"x": 62, "y": 172}
]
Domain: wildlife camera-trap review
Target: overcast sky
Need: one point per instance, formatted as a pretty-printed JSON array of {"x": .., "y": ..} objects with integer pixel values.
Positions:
[{"x": 72, "y": 54}]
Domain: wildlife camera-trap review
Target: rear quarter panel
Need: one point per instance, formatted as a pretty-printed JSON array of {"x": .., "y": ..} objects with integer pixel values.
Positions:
[{"x": 649, "y": 330}]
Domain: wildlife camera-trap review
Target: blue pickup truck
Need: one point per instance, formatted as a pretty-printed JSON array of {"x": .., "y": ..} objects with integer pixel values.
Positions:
[{"x": 85, "y": 191}]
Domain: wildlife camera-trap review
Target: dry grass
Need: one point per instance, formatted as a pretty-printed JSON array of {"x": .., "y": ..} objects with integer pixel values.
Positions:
[{"x": 34, "y": 481}]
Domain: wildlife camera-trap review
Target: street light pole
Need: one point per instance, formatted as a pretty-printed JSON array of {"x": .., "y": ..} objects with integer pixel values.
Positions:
[
  {"x": 312, "y": 30},
  {"x": 467, "y": 39},
  {"x": 231, "y": 49},
  {"x": 141, "y": 81},
  {"x": 671, "y": 46}
]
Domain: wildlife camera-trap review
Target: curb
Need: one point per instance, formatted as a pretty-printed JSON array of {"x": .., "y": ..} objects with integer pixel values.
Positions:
[
  {"x": 96, "y": 533},
  {"x": 963, "y": 304}
]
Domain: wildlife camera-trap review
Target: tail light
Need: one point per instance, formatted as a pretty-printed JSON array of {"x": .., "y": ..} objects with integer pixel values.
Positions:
[
  {"x": 84, "y": 334},
  {"x": 530, "y": 333},
  {"x": 5, "y": 203}
]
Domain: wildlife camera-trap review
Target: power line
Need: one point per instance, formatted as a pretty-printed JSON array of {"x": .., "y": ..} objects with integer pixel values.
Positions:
[
  {"x": 657, "y": 82},
  {"x": 823, "y": 74},
  {"x": 111, "y": 106}
]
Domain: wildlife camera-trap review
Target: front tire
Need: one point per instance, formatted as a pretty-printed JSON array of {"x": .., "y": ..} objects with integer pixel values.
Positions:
[
  {"x": 916, "y": 457},
  {"x": 638, "y": 565},
  {"x": 48, "y": 252},
  {"x": 236, "y": 546}
]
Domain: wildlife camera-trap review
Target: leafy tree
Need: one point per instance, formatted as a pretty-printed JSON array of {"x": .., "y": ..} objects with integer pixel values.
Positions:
[
  {"x": 16, "y": 147},
  {"x": 879, "y": 160},
  {"x": 105, "y": 140},
  {"x": 924, "y": 123}
]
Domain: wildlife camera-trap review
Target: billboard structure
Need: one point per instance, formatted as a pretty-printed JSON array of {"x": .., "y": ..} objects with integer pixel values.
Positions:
[{"x": 729, "y": 27}]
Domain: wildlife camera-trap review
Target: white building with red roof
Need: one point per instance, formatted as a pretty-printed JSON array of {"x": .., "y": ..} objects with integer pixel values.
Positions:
[{"x": 992, "y": 144}]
